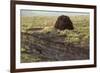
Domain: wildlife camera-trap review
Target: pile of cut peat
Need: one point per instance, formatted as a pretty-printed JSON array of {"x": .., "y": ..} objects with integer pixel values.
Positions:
[{"x": 51, "y": 47}]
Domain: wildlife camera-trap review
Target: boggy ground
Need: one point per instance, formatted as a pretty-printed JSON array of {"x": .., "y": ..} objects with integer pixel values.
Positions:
[
  {"x": 40, "y": 42},
  {"x": 37, "y": 47}
]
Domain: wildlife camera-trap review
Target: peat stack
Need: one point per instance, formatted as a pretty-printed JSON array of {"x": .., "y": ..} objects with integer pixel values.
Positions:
[{"x": 64, "y": 22}]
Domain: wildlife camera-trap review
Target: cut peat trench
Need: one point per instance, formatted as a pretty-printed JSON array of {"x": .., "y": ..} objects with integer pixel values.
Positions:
[{"x": 50, "y": 48}]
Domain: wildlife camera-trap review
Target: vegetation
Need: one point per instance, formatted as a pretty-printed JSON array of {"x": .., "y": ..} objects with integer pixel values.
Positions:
[{"x": 38, "y": 34}]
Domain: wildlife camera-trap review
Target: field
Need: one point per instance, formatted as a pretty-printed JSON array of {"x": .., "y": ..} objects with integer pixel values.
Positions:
[{"x": 40, "y": 41}]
